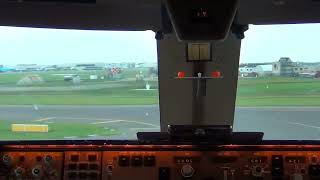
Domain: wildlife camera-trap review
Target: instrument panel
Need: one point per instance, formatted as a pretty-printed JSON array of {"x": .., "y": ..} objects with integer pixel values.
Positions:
[{"x": 160, "y": 162}]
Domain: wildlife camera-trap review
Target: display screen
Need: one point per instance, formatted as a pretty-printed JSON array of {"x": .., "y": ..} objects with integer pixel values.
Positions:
[
  {"x": 77, "y": 84},
  {"x": 279, "y": 82}
]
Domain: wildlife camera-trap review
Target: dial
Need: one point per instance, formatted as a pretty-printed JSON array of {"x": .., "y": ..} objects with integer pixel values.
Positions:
[{"x": 187, "y": 171}]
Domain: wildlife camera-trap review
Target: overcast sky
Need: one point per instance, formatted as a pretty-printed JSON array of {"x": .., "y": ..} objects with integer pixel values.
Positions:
[
  {"x": 52, "y": 46},
  {"x": 269, "y": 43}
]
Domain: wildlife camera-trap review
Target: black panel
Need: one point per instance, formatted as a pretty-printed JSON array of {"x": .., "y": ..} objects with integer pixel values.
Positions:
[
  {"x": 202, "y": 19},
  {"x": 58, "y": 1}
]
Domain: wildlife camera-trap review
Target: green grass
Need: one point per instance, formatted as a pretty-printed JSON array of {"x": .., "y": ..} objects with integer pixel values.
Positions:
[
  {"x": 56, "y": 131},
  {"x": 77, "y": 100},
  {"x": 109, "y": 96},
  {"x": 124, "y": 95},
  {"x": 264, "y": 91},
  {"x": 52, "y": 79},
  {"x": 278, "y": 91}
]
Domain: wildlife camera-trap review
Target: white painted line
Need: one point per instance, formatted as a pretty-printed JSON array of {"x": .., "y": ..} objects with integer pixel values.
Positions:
[
  {"x": 127, "y": 121},
  {"x": 305, "y": 125},
  {"x": 282, "y": 109},
  {"x": 106, "y": 122},
  {"x": 144, "y": 89},
  {"x": 70, "y": 137},
  {"x": 144, "y": 128},
  {"x": 149, "y": 124},
  {"x": 44, "y": 119},
  {"x": 81, "y": 118},
  {"x": 92, "y": 135}
]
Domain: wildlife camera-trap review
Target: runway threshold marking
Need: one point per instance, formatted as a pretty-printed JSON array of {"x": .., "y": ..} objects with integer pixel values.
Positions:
[
  {"x": 44, "y": 119},
  {"x": 305, "y": 125}
]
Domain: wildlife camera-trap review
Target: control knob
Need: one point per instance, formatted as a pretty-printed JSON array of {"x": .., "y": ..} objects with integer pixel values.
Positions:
[
  {"x": 37, "y": 171},
  {"x": 6, "y": 159},
  {"x": 48, "y": 159},
  {"x": 187, "y": 171},
  {"x": 19, "y": 171}
]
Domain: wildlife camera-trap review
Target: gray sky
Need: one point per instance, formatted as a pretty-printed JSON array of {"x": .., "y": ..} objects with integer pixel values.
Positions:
[
  {"x": 269, "y": 43},
  {"x": 52, "y": 46},
  {"x": 56, "y": 46}
]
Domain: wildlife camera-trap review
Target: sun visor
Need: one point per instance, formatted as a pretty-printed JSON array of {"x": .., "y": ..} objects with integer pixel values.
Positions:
[{"x": 203, "y": 20}]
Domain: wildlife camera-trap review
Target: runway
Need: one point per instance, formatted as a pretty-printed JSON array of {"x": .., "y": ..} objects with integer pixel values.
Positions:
[
  {"x": 294, "y": 123},
  {"x": 275, "y": 122},
  {"x": 126, "y": 119}
]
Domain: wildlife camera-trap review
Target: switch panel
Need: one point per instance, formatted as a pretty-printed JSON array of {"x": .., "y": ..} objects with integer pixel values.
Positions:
[{"x": 157, "y": 162}]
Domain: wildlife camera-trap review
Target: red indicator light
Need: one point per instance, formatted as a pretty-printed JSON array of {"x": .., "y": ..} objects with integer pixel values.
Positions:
[
  {"x": 181, "y": 74},
  {"x": 204, "y": 14},
  {"x": 216, "y": 74}
]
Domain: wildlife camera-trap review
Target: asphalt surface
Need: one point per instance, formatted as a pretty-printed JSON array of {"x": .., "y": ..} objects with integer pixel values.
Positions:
[
  {"x": 292, "y": 123},
  {"x": 275, "y": 122},
  {"x": 126, "y": 119}
]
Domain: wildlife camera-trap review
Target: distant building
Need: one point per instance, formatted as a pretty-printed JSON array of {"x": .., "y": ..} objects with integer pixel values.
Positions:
[
  {"x": 86, "y": 66},
  {"x": 284, "y": 67},
  {"x": 146, "y": 65},
  {"x": 28, "y": 67},
  {"x": 302, "y": 69},
  {"x": 255, "y": 71},
  {"x": 247, "y": 72},
  {"x": 246, "y": 69},
  {"x": 263, "y": 70}
]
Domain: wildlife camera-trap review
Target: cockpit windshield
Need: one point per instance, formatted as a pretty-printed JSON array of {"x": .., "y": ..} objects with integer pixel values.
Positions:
[
  {"x": 77, "y": 84},
  {"x": 86, "y": 84},
  {"x": 279, "y": 82}
]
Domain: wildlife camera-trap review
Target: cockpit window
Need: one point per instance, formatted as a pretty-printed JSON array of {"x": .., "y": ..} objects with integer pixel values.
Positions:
[
  {"x": 77, "y": 84},
  {"x": 279, "y": 82}
]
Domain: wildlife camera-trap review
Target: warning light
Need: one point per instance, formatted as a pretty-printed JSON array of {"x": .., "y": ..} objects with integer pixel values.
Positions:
[
  {"x": 216, "y": 74},
  {"x": 181, "y": 74}
]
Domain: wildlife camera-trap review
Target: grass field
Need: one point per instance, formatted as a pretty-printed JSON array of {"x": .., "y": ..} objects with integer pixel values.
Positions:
[
  {"x": 252, "y": 92},
  {"x": 93, "y": 92},
  {"x": 110, "y": 96},
  {"x": 263, "y": 91},
  {"x": 278, "y": 91},
  {"x": 57, "y": 131}
]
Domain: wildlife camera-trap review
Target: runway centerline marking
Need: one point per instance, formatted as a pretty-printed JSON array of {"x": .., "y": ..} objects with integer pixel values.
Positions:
[
  {"x": 305, "y": 125},
  {"x": 43, "y": 119}
]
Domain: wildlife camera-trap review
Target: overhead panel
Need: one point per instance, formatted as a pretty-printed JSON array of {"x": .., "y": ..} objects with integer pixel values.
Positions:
[
  {"x": 195, "y": 20},
  {"x": 57, "y": 1},
  {"x": 120, "y": 15},
  {"x": 278, "y": 11}
]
